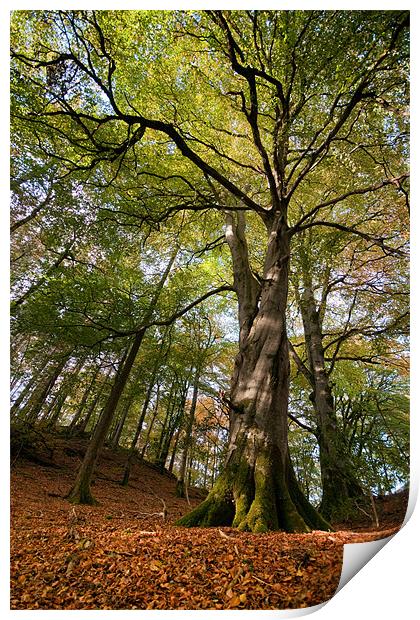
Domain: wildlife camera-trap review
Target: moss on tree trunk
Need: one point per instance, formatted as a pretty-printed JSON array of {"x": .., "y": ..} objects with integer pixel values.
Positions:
[
  {"x": 81, "y": 494},
  {"x": 342, "y": 494},
  {"x": 256, "y": 492}
]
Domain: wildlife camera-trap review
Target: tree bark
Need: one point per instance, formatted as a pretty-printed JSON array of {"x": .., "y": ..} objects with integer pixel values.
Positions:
[
  {"x": 174, "y": 450},
  {"x": 76, "y": 418},
  {"x": 151, "y": 423},
  {"x": 116, "y": 431},
  {"x": 173, "y": 420},
  {"x": 130, "y": 457},
  {"x": 340, "y": 487},
  {"x": 14, "y": 409},
  {"x": 81, "y": 427},
  {"x": 257, "y": 489},
  {"x": 36, "y": 401}
]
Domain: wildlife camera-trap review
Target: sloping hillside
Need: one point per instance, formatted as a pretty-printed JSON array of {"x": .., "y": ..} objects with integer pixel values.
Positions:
[{"x": 126, "y": 554}]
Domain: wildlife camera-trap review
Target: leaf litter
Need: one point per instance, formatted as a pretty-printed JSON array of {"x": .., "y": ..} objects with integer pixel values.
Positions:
[{"x": 125, "y": 554}]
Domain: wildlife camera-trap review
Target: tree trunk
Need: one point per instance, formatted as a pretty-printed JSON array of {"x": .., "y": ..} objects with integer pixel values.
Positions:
[
  {"x": 37, "y": 399},
  {"x": 115, "y": 434},
  {"x": 151, "y": 423},
  {"x": 180, "y": 485},
  {"x": 81, "y": 427},
  {"x": 206, "y": 465},
  {"x": 55, "y": 411},
  {"x": 340, "y": 487},
  {"x": 174, "y": 451},
  {"x": 14, "y": 410},
  {"x": 130, "y": 457},
  {"x": 257, "y": 489},
  {"x": 80, "y": 492},
  {"x": 172, "y": 422},
  {"x": 76, "y": 418},
  {"x": 52, "y": 415}
]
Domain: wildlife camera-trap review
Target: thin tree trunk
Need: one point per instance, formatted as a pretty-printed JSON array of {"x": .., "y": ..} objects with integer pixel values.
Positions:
[
  {"x": 81, "y": 427},
  {"x": 33, "y": 407},
  {"x": 81, "y": 492},
  {"x": 115, "y": 435},
  {"x": 80, "y": 409},
  {"x": 14, "y": 410},
  {"x": 151, "y": 423},
  {"x": 173, "y": 420},
  {"x": 59, "y": 400},
  {"x": 56, "y": 412},
  {"x": 340, "y": 487},
  {"x": 206, "y": 465},
  {"x": 169, "y": 410},
  {"x": 174, "y": 451},
  {"x": 180, "y": 485},
  {"x": 130, "y": 457}
]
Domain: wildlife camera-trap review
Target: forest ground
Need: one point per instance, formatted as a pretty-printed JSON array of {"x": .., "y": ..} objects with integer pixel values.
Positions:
[{"x": 118, "y": 555}]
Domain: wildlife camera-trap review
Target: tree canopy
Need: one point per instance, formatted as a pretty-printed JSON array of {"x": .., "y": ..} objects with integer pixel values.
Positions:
[{"x": 209, "y": 250}]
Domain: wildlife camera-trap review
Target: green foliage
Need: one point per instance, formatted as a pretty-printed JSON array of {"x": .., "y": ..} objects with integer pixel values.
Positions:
[{"x": 133, "y": 132}]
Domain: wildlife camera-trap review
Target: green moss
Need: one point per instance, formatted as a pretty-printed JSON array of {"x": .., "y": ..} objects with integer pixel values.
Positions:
[
  {"x": 256, "y": 498},
  {"x": 217, "y": 508},
  {"x": 312, "y": 517},
  {"x": 262, "y": 514},
  {"x": 81, "y": 494},
  {"x": 243, "y": 490},
  {"x": 291, "y": 520}
]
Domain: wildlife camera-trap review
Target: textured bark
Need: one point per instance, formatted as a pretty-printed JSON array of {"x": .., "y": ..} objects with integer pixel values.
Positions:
[
  {"x": 257, "y": 490},
  {"x": 340, "y": 487}
]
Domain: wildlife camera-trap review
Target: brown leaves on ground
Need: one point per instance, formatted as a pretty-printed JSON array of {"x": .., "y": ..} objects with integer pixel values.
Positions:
[{"x": 115, "y": 556}]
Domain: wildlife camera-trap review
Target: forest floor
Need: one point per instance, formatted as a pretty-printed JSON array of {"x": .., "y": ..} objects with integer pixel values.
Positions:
[{"x": 122, "y": 554}]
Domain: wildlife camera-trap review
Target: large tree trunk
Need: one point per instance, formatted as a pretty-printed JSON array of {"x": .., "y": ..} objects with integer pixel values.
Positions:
[
  {"x": 340, "y": 487},
  {"x": 257, "y": 490}
]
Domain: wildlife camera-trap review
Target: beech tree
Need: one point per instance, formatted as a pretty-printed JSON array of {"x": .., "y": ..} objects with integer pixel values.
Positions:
[
  {"x": 352, "y": 328},
  {"x": 245, "y": 126}
]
